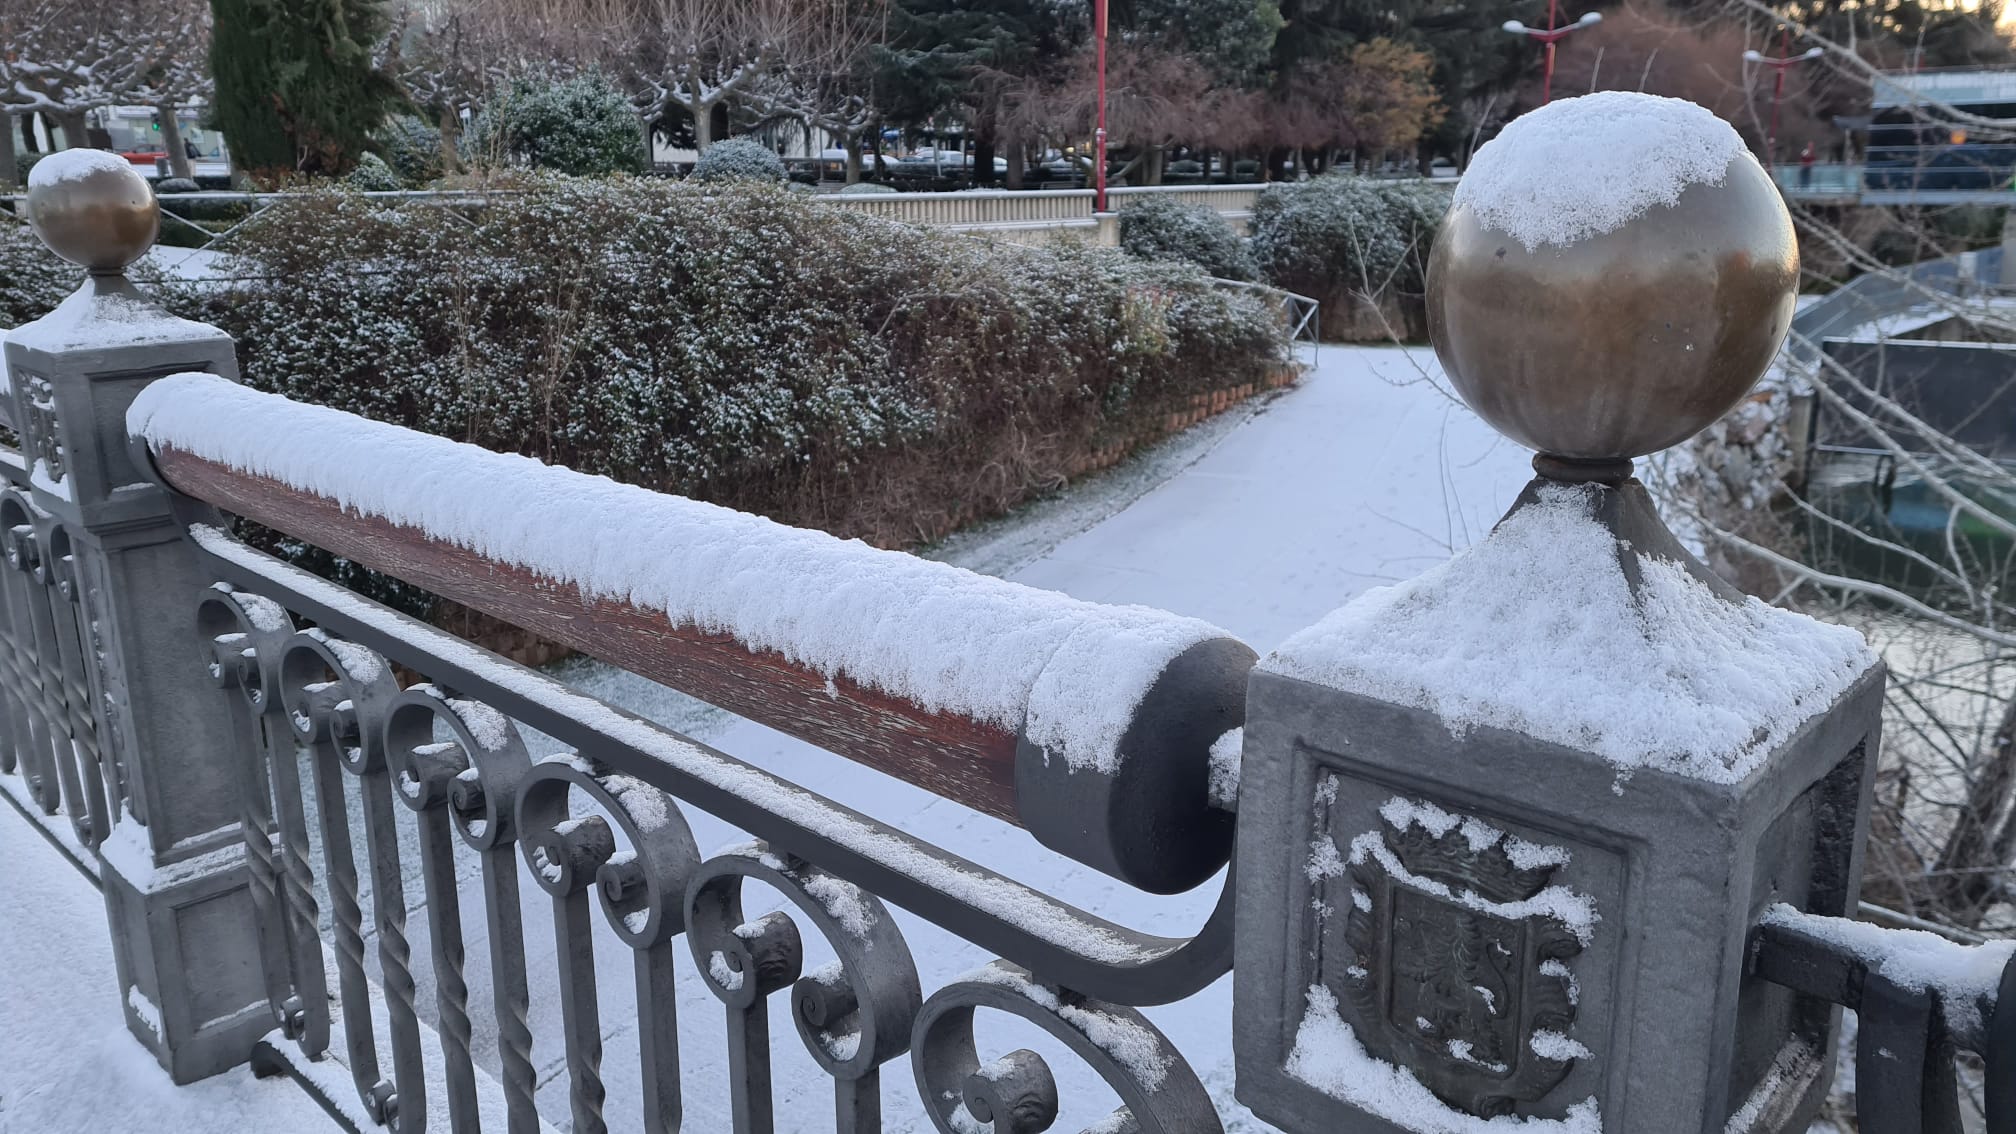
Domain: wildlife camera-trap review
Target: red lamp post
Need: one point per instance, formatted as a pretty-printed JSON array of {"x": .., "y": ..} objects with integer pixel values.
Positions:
[
  {"x": 1099, "y": 134},
  {"x": 1780, "y": 63},
  {"x": 1548, "y": 37}
]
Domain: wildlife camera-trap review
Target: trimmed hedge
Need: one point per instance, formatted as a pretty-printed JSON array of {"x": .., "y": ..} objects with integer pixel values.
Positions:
[
  {"x": 32, "y": 279},
  {"x": 749, "y": 347},
  {"x": 1356, "y": 244},
  {"x": 1162, "y": 228},
  {"x": 738, "y": 159}
]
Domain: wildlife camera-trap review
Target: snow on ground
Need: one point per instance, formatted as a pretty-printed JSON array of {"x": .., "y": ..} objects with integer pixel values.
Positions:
[{"x": 67, "y": 1061}]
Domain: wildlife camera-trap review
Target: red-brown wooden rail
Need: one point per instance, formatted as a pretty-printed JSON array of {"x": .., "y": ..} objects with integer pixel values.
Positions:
[{"x": 956, "y": 757}]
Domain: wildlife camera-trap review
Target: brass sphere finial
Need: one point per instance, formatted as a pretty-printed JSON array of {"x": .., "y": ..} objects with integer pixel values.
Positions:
[
  {"x": 93, "y": 209},
  {"x": 1615, "y": 273}
]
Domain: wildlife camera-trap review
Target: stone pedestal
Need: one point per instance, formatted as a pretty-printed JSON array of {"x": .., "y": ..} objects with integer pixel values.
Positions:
[
  {"x": 1440, "y": 922},
  {"x": 184, "y": 935}
]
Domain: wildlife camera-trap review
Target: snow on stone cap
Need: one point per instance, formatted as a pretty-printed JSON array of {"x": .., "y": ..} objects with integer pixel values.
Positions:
[
  {"x": 1582, "y": 167},
  {"x": 93, "y": 320},
  {"x": 74, "y": 165},
  {"x": 1535, "y": 630},
  {"x": 1068, "y": 674}
]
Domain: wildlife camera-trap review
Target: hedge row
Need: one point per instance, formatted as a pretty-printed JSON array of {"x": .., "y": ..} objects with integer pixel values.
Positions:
[
  {"x": 1356, "y": 244},
  {"x": 745, "y": 346}
]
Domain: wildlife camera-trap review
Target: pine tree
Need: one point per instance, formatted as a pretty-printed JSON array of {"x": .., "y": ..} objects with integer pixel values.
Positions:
[{"x": 297, "y": 91}]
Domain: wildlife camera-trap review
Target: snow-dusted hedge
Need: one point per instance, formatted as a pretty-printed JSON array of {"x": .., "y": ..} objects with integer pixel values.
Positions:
[
  {"x": 32, "y": 279},
  {"x": 1340, "y": 238},
  {"x": 748, "y": 347},
  {"x": 738, "y": 159},
  {"x": 866, "y": 188},
  {"x": 372, "y": 175},
  {"x": 582, "y": 126},
  {"x": 1160, "y": 227},
  {"x": 412, "y": 149}
]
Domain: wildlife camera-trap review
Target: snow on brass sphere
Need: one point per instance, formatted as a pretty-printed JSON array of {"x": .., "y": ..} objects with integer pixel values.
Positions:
[
  {"x": 93, "y": 209},
  {"x": 1620, "y": 343}
]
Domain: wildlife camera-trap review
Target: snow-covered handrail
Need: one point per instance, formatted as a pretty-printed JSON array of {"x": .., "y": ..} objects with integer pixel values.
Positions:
[
  {"x": 1090, "y": 725},
  {"x": 1917, "y": 996}
]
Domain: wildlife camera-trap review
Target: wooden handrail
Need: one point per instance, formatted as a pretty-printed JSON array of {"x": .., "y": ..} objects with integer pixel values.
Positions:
[{"x": 962, "y": 759}]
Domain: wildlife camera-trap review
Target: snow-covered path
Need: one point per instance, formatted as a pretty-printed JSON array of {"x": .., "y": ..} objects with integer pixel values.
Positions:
[{"x": 66, "y": 1059}]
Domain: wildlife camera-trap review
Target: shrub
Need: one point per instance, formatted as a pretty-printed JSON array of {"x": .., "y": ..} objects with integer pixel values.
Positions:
[
  {"x": 866, "y": 188},
  {"x": 754, "y": 348},
  {"x": 412, "y": 148},
  {"x": 1159, "y": 227},
  {"x": 372, "y": 175},
  {"x": 582, "y": 126},
  {"x": 175, "y": 185},
  {"x": 738, "y": 159},
  {"x": 1357, "y": 244},
  {"x": 32, "y": 278}
]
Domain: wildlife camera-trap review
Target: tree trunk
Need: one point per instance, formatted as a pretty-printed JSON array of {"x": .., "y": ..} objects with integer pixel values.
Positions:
[
  {"x": 1012, "y": 177},
  {"x": 76, "y": 134},
  {"x": 1152, "y": 161},
  {"x": 703, "y": 126},
  {"x": 1963, "y": 880},
  {"x": 171, "y": 140},
  {"x": 28, "y": 141},
  {"x": 451, "y": 141},
  {"x": 10, "y": 168},
  {"x": 983, "y": 160},
  {"x": 853, "y": 159}
]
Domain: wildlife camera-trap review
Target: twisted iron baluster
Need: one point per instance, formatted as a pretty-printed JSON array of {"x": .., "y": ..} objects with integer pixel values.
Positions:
[
  {"x": 408, "y": 1105},
  {"x": 508, "y": 987},
  {"x": 451, "y": 991},
  {"x": 73, "y": 656},
  {"x": 348, "y": 921},
  {"x": 298, "y": 877},
  {"x": 18, "y": 738},
  {"x": 575, "y": 933},
  {"x": 39, "y": 758},
  {"x": 50, "y": 684}
]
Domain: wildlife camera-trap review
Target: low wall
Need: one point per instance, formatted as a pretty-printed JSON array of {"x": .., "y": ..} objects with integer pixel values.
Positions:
[{"x": 1033, "y": 217}]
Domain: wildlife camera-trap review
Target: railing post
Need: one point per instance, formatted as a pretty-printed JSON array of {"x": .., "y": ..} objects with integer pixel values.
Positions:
[
  {"x": 1505, "y": 829},
  {"x": 184, "y": 936}
]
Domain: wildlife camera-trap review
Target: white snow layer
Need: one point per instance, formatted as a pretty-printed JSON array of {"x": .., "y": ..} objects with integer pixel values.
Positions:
[
  {"x": 1068, "y": 673},
  {"x": 75, "y": 165},
  {"x": 1966, "y": 977},
  {"x": 1328, "y": 1056},
  {"x": 1536, "y": 630},
  {"x": 1582, "y": 167},
  {"x": 92, "y": 320}
]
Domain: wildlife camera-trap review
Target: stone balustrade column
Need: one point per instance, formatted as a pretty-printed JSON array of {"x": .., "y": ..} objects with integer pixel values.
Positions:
[{"x": 184, "y": 936}]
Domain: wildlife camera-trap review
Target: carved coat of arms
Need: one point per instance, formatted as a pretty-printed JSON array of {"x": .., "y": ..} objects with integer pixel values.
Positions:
[{"x": 1460, "y": 941}]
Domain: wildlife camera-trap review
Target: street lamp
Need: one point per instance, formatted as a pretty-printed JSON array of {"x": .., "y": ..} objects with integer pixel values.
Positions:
[
  {"x": 1099, "y": 134},
  {"x": 1780, "y": 63},
  {"x": 1551, "y": 35}
]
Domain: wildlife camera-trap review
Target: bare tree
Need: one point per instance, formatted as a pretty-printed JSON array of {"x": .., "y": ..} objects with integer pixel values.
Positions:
[
  {"x": 65, "y": 58},
  {"x": 1899, "y": 517},
  {"x": 825, "y": 83},
  {"x": 696, "y": 55}
]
